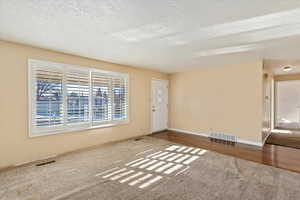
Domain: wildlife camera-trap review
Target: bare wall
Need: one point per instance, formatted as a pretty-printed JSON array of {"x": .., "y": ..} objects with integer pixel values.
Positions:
[
  {"x": 17, "y": 147},
  {"x": 222, "y": 98}
]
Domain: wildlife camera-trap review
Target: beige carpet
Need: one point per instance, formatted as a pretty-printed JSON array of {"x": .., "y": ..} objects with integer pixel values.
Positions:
[{"x": 131, "y": 170}]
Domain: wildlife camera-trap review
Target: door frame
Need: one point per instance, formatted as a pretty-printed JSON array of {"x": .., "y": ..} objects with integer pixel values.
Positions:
[{"x": 151, "y": 99}]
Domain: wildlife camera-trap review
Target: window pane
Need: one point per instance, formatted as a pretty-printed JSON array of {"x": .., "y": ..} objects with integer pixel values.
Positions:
[
  {"x": 287, "y": 104},
  {"x": 49, "y": 101},
  {"x": 101, "y": 98},
  {"x": 101, "y": 104},
  {"x": 77, "y": 97},
  {"x": 119, "y": 96}
]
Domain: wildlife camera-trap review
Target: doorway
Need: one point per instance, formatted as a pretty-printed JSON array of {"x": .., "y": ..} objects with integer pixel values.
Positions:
[
  {"x": 286, "y": 118},
  {"x": 287, "y": 105},
  {"x": 159, "y": 105}
]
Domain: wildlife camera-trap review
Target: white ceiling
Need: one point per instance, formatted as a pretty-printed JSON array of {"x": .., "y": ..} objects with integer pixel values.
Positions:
[
  {"x": 164, "y": 35},
  {"x": 275, "y": 66}
]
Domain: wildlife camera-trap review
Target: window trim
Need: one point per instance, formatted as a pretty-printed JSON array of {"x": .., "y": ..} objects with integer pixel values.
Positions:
[{"x": 76, "y": 127}]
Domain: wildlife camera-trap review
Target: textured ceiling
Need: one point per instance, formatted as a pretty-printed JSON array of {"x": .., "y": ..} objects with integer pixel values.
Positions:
[
  {"x": 275, "y": 66},
  {"x": 168, "y": 35}
]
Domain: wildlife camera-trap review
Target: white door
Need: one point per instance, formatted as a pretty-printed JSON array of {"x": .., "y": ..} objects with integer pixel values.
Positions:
[{"x": 159, "y": 106}]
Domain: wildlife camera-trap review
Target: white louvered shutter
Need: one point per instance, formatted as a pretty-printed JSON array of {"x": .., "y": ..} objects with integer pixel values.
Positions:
[
  {"x": 77, "y": 87},
  {"x": 102, "y": 98},
  {"x": 68, "y": 98},
  {"x": 120, "y": 98},
  {"x": 47, "y": 98}
]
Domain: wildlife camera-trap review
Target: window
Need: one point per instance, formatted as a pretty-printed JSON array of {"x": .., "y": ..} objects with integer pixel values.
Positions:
[
  {"x": 287, "y": 104},
  {"x": 66, "y": 98}
]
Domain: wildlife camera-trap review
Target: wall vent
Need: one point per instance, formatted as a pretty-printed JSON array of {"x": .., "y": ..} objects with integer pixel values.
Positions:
[{"x": 223, "y": 136}]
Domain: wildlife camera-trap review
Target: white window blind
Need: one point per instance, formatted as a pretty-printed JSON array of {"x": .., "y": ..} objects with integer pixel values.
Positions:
[
  {"x": 78, "y": 95},
  {"x": 119, "y": 92},
  {"x": 67, "y": 98},
  {"x": 102, "y": 98},
  {"x": 47, "y": 98}
]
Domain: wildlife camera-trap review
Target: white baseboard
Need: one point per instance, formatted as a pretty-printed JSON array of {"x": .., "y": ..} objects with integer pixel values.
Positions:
[
  {"x": 188, "y": 132},
  {"x": 265, "y": 139},
  {"x": 207, "y": 135},
  {"x": 250, "y": 142}
]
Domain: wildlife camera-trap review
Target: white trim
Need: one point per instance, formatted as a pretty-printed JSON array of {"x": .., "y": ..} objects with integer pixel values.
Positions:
[
  {"x": 265, "y": 139},
  {"x": 73, "y": 66},
  {"x": 91, "y": 100},
  {"x": 188, "y": 132},
  {"x": 29, "y": 96},
  {"x": 65, "y": 97},
  {"x": 286, "y": 131},
  {"x": 128, "y": 113},
  {"x": 272, "y": 104},
  {"x": 260, "y": 144},
  {"x": 72, "y": 130},
  {"x": 207, "y": 135}
]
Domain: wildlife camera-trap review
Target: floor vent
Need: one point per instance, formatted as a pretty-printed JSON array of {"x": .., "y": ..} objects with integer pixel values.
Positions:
[
  {"x": 45, "y": 163},
  {"x": 223, "y": 137}
]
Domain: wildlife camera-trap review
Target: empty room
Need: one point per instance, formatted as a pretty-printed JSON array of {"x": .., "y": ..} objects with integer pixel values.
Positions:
[{"x": 149, "y": 100}]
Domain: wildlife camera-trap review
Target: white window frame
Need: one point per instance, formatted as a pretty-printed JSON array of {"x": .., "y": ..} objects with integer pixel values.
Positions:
[{"x": 65, "y": 128}]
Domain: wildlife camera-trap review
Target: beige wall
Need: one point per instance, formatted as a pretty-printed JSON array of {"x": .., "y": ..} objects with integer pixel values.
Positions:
[
  {"x": 225, "y": 99},
  {"x": 17, "y": 147}
]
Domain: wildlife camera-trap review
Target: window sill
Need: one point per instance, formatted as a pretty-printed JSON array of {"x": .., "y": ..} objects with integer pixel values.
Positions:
[{"x": 76, "y": 129}]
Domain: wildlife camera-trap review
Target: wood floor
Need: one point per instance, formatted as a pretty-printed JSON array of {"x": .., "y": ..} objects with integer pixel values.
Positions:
[
  {"x": 285, "y": 139},
  {"x": 273, "y": 155}
]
